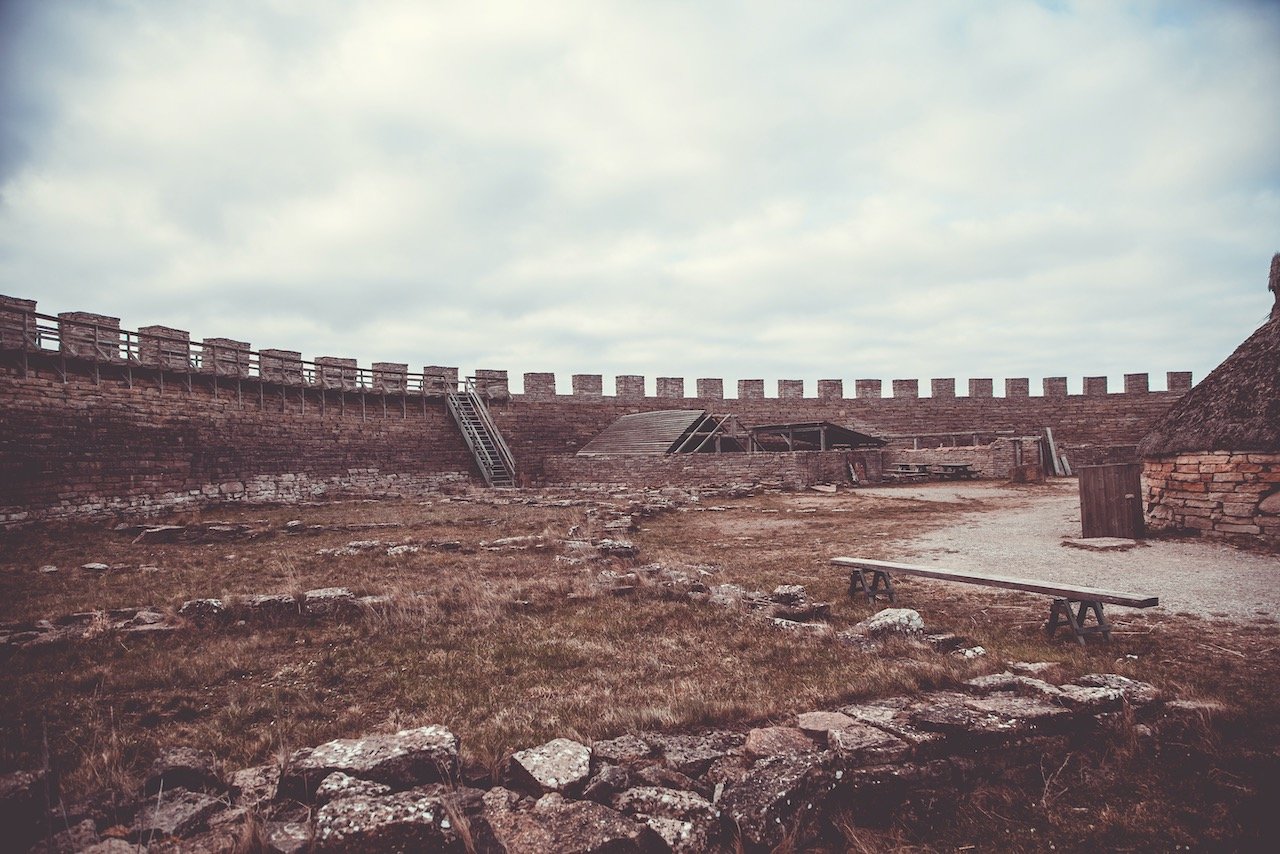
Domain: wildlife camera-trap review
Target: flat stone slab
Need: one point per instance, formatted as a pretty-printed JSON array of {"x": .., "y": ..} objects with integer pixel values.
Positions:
[
  {"x": 1090, "y": 700},
  {"x": 340, "y": 785},
  {"x": 417, "y": 820},
  {"x": 328, "y": 602},
  {"x": 692, "y": 755},
  {"x": 622, "y": 750},
  {"x": 777, "y": 741},
  {"x": 1101, "y": 544},
  {"x": 409, "y": 758},
  {"x": 252, "y": 786},
  {"x": 687, "y": 822},
  {"x": 555, "y": 824},
  {"x": 1135, "y": 693},
  {"x": 174, "y": 813},
  {"x": 819, "y": 724},
  {"x": 863, "y": 744},
  {"x": 560, "y": 765}
]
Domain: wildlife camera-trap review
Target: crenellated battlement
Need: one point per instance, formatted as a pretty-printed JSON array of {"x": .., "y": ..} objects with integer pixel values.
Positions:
[
  {"x": 542, "y": 386},
  {"x": 99, "y": 419},
  {"x": 100, "y": 338}
]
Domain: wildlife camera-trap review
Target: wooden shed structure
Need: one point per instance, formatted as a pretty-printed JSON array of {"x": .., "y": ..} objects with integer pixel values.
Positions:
[
  {"x": 1212, "y": 464},
  {"x": 693, "y": 431}
]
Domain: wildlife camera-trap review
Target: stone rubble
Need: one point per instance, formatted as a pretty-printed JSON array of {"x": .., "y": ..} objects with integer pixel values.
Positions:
[
  {"x": 717, "y": 791},
  {"x": 560, "y": 765}
]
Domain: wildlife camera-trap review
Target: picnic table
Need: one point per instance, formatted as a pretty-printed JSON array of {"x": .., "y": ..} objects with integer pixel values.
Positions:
[
  {"x": 908, "y": 471},
  {"x": 957, "y": 471}
]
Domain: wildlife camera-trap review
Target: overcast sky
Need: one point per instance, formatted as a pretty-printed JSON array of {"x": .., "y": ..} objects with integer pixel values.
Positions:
[{"x": 716, "y": 189}]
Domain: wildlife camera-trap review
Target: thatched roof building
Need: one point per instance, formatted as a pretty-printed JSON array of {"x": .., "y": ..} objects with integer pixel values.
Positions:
[
  {"x": 1212, "y": 464},
  {"x": 1237, "y": 406}
]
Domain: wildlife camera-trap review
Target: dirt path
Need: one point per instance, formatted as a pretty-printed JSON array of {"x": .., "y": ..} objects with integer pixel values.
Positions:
[{"x": 1021, "y": 532}]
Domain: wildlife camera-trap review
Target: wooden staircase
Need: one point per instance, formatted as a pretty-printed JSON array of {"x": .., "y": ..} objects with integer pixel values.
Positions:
[{"x": 481, "y": 435}]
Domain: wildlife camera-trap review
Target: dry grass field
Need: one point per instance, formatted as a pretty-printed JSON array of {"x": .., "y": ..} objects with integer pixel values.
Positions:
[{"x": 509, "y": 648}]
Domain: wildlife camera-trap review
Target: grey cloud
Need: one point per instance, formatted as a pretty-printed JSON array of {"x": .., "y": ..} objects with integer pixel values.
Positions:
[{"x": 728, "y": 189}]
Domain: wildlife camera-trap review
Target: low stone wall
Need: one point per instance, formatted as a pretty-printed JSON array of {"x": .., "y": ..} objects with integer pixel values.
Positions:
[
  {"x": 795, "y": 470},
  {"x": 1233, "y": 496}
]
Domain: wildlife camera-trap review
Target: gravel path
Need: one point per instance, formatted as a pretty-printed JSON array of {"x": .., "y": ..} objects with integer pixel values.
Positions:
[{"x": 1021, "y": 532}]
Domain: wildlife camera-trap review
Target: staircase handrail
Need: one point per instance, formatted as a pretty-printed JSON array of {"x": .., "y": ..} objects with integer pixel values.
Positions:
[{"x": 500, "y": 443}]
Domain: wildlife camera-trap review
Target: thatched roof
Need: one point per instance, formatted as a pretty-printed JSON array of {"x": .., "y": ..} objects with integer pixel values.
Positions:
[{"x": 1236, "y": 407}]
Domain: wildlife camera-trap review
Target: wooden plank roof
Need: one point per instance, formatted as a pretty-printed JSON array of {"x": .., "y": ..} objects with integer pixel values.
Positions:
[
  {"x": 650, "y": 433},
  {"x": 837, "y": 434}
]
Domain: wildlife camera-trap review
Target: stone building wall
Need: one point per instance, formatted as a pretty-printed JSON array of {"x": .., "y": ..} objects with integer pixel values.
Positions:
[
  {"x": 996, "y": 459},
  {"x": 1220, "y": 494}
]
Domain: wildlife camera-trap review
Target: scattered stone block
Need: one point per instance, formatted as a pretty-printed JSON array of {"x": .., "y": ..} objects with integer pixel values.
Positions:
[
  {"x": 777, "y": 741},
  {"x": 788, "y": 594},
  {"x": 1135, "y": 693},
  {"x": 1007, "y": 682},
  {"x": 340, "y": 785},
  {"x": 270, "y": 607},
  {"x": 617, "y": 548},
  {"x": 287, "y": 837},
  {"x": 801, "y": 613},
  {"x": 553, "y": 823},
  {"x": 692, "y": 755},
  {"x": 416, "y": 820},
  {"x": 862, "y": 744},
  {"x": 203, "y": 611},
  {"x": 607, "y": 781},
  {"x": 176, "y": 812},
  {"x": 329, "y": 602},
  {"x": 408, "y": 758},
  {"x": 253, "y": 786},
  {"x": 1091, "y": 701},
  {"x": 818, "y": 724},
  {"x": 560, "y": 765},
  {"x": 985, "y": 720},
  {"x": 160, "y": 534},
  {"x": 685, "y": 821},
  {"x": 1101, "y": 544},
  {"x": 892, "y": 621},
  {"x": 893, "y": 715},
  {"x": 622, "y": 750},
  {"x": 183, "y": 768},
  {"x": 779, "y": 797}
]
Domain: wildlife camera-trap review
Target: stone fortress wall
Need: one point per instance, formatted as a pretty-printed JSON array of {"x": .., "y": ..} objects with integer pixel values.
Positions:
[{"x": 96, "y": 420}]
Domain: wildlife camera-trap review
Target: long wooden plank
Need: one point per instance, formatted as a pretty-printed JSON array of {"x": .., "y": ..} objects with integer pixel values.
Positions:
[{"x": 1031, "y": 585}]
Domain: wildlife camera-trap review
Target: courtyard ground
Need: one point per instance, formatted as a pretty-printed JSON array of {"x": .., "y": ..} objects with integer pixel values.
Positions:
[{"x": 511, "y": 645}]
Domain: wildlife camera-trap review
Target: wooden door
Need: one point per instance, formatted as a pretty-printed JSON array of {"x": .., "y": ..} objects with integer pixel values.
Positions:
[{"x": 1111, "y": 501}]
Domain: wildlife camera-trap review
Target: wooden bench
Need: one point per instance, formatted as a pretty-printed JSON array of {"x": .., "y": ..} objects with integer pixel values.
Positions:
[{"x": 874, "y": 578}]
